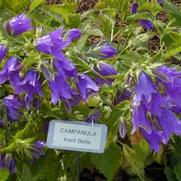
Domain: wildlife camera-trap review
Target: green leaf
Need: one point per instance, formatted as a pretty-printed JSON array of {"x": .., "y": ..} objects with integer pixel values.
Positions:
[
  {"x": 170, "y": 174},
  {"x": 173, "y": 10},
  {"x": 108, "y": 162},
  {"x": 36, "y": 3},
  {"x": 177, "y": 170},
  {"x": 65, "y": 10},
  {"x": 137, "y": 158},
  {"x": 4, "y": 174}
]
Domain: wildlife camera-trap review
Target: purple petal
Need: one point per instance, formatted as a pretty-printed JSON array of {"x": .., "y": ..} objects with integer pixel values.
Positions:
[
  {"x": 139, "y": 118},
  {"x": 3, "y": 51},
  {"x": 73, "y": 34},
  {"x": 144, "y": 87},
  {"x": 13, "y": 106},
  {"x": 134, "y": 8},
  {"x": 147, "y": 24},
  {"x": 86, "y": 86},
  {"x": 107, "y": 51},
  {"x": 66, "y": 66},
  {"x": 18, "y": 25}
]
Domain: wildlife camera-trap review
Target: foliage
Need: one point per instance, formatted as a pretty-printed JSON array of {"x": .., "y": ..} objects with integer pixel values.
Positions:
[{"x": 111, "y": 22}]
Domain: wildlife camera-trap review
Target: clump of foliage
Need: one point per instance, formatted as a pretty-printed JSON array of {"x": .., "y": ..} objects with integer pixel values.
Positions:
[{"x": 112, "y": 62}]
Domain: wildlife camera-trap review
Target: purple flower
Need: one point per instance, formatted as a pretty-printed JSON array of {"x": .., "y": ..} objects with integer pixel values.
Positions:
[
  {"x": 107, "y": 51},
  {"x": 86, "y": 86},
  {"x": 60, "y": 89},
  {"x": 143, "y": 88},
  {"x": 11, "y": 166},
  {"x": 73, "y": 34},
  {"x": 92, "y": 118},
  {"x": 38, "y": 149},
  {"x": 122, "y": 130},
  {"x": 10, "y": 70},
  {"x": 105, "y": 69},
  {"x": 3, "y": 51},
  {"x": 134, "y": 8},
  {"x": 54, "y": 43},
  {"x": 30, "y": 85},
  {"x": 151, "y": 112},
  {"x": 122, "y": 96},
  {"x": 160, "y": 1},
  {"x": 18, "y": 25},
  {"x": 147, "y": 24},
  {"x": 13, "y": 106},
  {"x": 7, "y": 163},
  {"x": 170, "y": 80},
  {"x": 64, "y": 65}
]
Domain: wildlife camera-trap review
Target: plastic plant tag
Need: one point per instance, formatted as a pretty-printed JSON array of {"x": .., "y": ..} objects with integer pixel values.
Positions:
[{"x": 77, "y": 136}]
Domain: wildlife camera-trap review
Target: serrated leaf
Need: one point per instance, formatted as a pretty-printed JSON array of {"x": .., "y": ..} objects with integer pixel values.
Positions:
[
  {"x": 108, "y": 162},
  {"x": 35, "y": 4},
  {"x": 136, "y": 158}
]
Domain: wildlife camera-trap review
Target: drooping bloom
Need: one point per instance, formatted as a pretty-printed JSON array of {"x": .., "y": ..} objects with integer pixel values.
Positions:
[
  {"x": 13, "y": 106},
  {"x": 134, "y": 7},
  {"x": 147, "y": 24},
  {"x": 152, "y": 114},
  {"x": 10, "y": 70},
  {"x": 122, "y": 130},
  {"x": 54, "y": 43},
  {"x": 86, "y": 86},
  {"x": 7, "y": 163},
  {"x": 107, "y": 51},
  {"x": 73, "y": 34},
  {"x": 105, "y": 69},
  {"x": 18, "y": 25},
  {"x": 38, "y": 148},
  {"x": 170, "y": 80},
  {"x": 60, "y": 89},
  {"x": 31, "y": 85},
  {"x": 3, "y": 51}
]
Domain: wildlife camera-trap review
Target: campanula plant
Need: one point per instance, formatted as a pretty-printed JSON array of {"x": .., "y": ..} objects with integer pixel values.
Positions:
[{"x": 107, "y": 62}]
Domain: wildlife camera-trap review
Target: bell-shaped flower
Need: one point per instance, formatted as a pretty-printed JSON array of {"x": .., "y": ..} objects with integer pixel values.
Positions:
[
  {"x": 30, "y": 85},
  {"x": 54, "y": 42},
  {"x": 134, "y": 8},
  {"x": 60, "y": 89},
  {"x": 11, "y": 69},
  {"x": 13, "y": 107},
  {"x": 3, "y": 51},
  {"x": 147, "y": 24},
  {"x": 86, "y": 86},
  {"x": 18, "y": 25},
  {"x": 107, "y": 51},
  {"x": 170, "y": 81},
  {"x": 105, "y": 69},
  {"x": 73, "y": 34},
  {"x": 38, "y": 149},
  {"x": 143, "y": 88}
]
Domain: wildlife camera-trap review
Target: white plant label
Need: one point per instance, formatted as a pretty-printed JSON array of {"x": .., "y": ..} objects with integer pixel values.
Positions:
[{"x": 77, "y": 136}]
